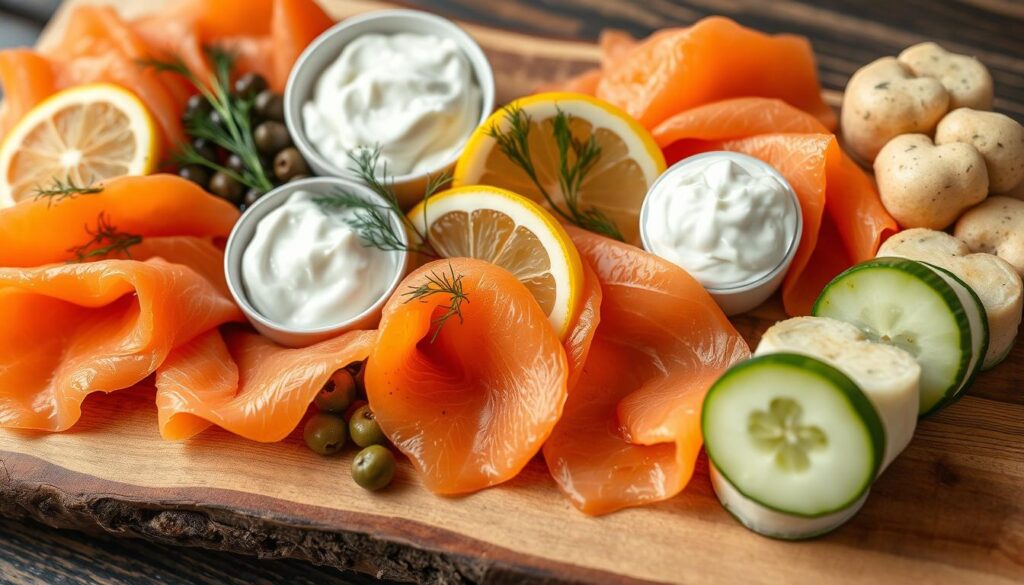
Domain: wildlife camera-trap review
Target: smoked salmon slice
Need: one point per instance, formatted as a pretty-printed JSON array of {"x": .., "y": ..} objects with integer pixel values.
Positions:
[
  {"x": 844, "y": 220},
  {"x": 42, "y": 231},
  {"x": 630, "y": 431},
  {"x": 676, "y": 69},
  {"x": 244, "y": 383},
  {"x": 471, "y": 406},
  {"x": 74, "y": 329}
]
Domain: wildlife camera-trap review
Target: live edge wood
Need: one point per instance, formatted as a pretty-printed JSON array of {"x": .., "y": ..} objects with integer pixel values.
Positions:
[{"x": 949, "y": 510}]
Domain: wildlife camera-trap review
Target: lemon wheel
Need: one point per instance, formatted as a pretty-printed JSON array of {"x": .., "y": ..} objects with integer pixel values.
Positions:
[
  {"x": 513, "y": 232},
  {"x": 85, "y": 134},
  {"x": 629, "y": 163}
]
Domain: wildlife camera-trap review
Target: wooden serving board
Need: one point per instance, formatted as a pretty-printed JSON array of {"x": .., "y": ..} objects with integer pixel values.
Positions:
[{"x": 949, "y": 510}]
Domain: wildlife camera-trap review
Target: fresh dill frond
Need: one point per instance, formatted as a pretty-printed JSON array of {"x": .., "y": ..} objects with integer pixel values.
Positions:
[
  {"x": 67, "y": 188},
  {"x": 575, "y": 160},
  {"x": 106, "y": 240},
  {"x": 370, "y": 220},
  {"x": 440, "y": 284},
  {"x": 234, "y": 133}
]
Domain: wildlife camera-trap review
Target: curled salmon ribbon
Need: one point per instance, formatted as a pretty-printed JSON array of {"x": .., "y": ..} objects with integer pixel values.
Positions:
[
  {"x": 630, "y": 431},
  {"x": 71, "y": 329}
]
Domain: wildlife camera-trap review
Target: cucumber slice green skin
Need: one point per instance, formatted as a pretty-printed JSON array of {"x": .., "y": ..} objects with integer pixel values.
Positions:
[
  {"x": 774, "y": 524},
  {"x": 860, "y": 408},
  {"x": 982, "y": 329},
  {"x": 932, "y": 400}
]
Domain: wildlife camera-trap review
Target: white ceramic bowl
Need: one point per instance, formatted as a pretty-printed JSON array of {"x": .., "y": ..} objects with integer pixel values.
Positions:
[
  {"x": 324, "y": 50},
  {"x": 243, "y": 233},
  {"x": 748, "y": 295}
]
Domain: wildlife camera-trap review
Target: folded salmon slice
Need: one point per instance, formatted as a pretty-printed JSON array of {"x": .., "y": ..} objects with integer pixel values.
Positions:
[
  {"x": 630, "y": 432},
  {"x": 244, "y": 383},
  {"x": 74, "y": 329},
  {"x": 42, "y": 231},
  {"x": 473, "y": 406},
  {"x": 676, "y": 69},
  {"x": 844, "y": 220}
]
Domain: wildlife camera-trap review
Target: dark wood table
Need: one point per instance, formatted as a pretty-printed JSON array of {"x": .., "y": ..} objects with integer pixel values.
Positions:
[{"x": 845, "y": 34}]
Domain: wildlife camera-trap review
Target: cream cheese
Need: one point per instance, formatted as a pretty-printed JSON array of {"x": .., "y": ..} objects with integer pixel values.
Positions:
[
  {"x": 308, "y": 269},
  {"x": 414, "y": 95}
]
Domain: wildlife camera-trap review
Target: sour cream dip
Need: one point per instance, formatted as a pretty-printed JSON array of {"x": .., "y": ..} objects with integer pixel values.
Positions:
[
  {"x": 414, "y": 95},
  {"x": 730, "y": 220},
  {"x": 306, "y": 268}
]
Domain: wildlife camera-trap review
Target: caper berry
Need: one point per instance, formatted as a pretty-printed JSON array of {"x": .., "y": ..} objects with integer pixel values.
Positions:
[
  {"x": 235, "y": 163},
  {"x": 373, "y": 468},
  {"x": 325, "y": 433},
  {"x": 289, "y": 163},
  {"x": 252, "y": 196},
  {"x": 249, "y": 85},
  {"x": 195, "y": 108},
  {"x": 195, "y": 173},
  {"x": 337, "y": 394},
  {"x": 272, "y": 137},
  {"x": 365, "y": 429},
  {"x": 225, "y": 186},
  {"x": 205, "y": 149},
  {"x": 269, "y": 106}
]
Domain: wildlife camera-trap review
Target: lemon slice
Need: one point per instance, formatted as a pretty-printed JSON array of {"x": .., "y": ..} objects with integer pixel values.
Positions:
[
  {"x": 513, "y": 232},
  {"x": 630, "y": 160},
  {"x": 85, "y": 134}
]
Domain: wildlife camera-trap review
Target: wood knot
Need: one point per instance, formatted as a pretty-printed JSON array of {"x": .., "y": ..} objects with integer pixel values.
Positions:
[{"x": 945, "y": 473}]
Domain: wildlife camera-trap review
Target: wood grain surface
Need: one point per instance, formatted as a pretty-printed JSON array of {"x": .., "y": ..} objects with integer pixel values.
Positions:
[{"x": 949, "y": 510}]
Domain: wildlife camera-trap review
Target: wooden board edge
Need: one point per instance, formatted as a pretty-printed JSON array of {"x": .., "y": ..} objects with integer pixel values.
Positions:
[{"x": 226, "y": 520}]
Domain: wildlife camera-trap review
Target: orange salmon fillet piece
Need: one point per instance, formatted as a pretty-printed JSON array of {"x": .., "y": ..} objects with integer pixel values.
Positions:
[
  {"x": 676, "y": 69},
  {"x": 844, "y": 220},
  {"x": 630, "y": 432},
  {"x": 246, "y": 384},
  {"x": 471, "y": 408}
]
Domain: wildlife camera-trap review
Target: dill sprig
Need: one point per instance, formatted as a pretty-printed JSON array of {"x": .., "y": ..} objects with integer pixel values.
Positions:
[
  {"x": 371, "y": 220},
  {"x": 575, "y": 159},
  {"x": 106, "y": 240},
  {"x": 67, "y": 188},
  {"x": 440, "y": 284},
  {"x": 234, "y": 131}
]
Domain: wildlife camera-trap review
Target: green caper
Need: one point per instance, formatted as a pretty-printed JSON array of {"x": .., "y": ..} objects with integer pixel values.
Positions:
[
  {"x": 272, "y": 137},
  {"x": 373, "y": 468},
  {"x": 365, "y": 429},
  {"x": 225, "y": 186},
  {"x": 195, "y": 173},
  {"x": 196, "y": 107},
  {"x": 250, "y": 84},
  {"x": 337, "y": 394},
  {"x": 269, "y": 106},
  {"x": 289, "y": 163},
  {"x": 325, "y": 433}
]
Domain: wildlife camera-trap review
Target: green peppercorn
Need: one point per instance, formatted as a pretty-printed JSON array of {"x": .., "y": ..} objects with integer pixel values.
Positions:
[
  {"x": 226, "y": 187},
  {"x": 250, "y": 84},
  {"x": 325, "y": 433},
  {"x": 197, "y": 174},
  {"x": 269, "y": 106},
  {"x": 373, "y": 468},
  {"x": 337, "y": 394},
  {"x": 272, "y": 137},
  {"x": 289, "y": 163}
]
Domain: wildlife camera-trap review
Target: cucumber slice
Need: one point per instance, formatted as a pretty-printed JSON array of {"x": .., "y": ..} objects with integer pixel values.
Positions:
[
  {"x": 919, "y": 308},
  {"x": 793, "y": 434},
  {"x": 767, "y": 522},
  {"x": 887, "y": 375}
]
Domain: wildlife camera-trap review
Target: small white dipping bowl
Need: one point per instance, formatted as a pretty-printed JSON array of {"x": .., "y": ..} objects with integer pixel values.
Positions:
[
  {"x": 326, "y": 48},
  {"x": 243, "y": 233},
  {"x": 746, "y": 295}
]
